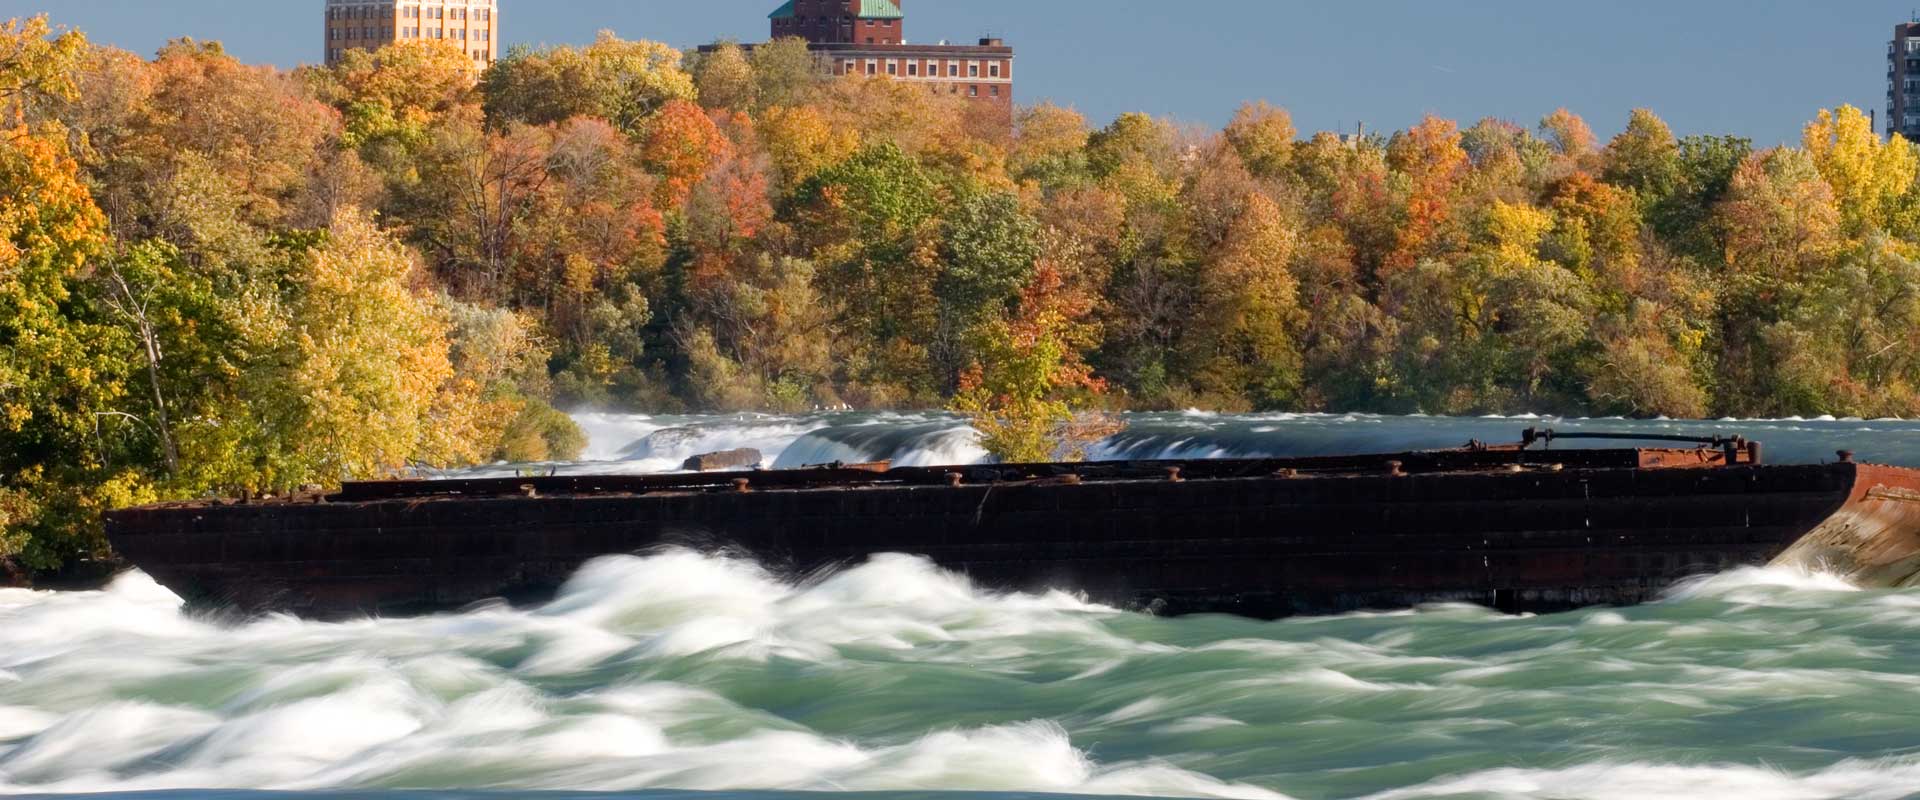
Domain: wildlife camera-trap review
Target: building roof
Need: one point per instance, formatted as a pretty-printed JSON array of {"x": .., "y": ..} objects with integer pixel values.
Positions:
[
  {"x": 880, "y": 9},
  {"x": 869, "y": 9}
]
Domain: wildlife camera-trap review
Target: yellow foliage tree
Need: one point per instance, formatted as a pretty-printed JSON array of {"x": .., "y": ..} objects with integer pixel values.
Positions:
[
  {"x": 401, "y": 88},
  {"x": 35, "y": 64},
  {"x": 1868, "y": 176},
  {"x": 1514, "y": 230},
  {"x": 800, "y": 142},
  {"x": 370, "y": 372},
  {"x": 1263, "y": 135}
]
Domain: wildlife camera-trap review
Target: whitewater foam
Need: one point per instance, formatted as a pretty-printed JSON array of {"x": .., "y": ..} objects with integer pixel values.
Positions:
[
  {"x": 1848, "y": 780},
  {"x": 1760, "y": 585},
  {"x": 697, "y": 671},
  {"x": 470, "y": 699}
]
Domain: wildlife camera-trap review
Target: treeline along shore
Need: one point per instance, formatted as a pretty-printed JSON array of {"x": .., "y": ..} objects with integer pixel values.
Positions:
[{"x": 224, "y": 278}]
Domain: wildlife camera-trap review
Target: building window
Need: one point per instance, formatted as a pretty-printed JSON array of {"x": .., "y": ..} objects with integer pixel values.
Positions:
[
  {"x": 893, "y": 67},
  {"x": 993, "y": 69},
  {"x": 953, "y": 70},
  {"x": 869, "y": 40},
  {"x": 973, "y": 69},
  {"x": 973, "y": 91},
  {"x": 913, "y": 69},
  {"x": 869, "y": 23},
  {"x": 995, "y": 89},
  {"x": 873, "y": 68}
]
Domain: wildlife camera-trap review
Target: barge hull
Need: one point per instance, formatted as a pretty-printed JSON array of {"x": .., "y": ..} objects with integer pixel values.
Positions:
[{"x": 1532, "y": 537}]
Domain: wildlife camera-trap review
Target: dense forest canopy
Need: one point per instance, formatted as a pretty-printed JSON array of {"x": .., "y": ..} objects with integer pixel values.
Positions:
[{"x": 219, "y": 277}]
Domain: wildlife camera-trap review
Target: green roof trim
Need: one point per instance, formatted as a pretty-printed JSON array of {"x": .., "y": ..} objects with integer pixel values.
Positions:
[
  {"x": 880, "y": 9},
  {"x": 869, "y": 9}
]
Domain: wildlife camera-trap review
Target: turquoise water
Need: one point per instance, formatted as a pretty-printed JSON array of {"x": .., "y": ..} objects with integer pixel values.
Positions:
[
  {"x": 689, "y": 675},
  {"x": 689, "y": 671}
]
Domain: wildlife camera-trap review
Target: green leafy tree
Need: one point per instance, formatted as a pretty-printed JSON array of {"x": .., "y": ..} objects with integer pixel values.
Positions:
[{"x": 870, "y": 221}]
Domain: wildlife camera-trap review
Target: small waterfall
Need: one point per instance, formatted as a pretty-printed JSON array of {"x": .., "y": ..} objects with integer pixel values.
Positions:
[{"x": 927, "y": 444}]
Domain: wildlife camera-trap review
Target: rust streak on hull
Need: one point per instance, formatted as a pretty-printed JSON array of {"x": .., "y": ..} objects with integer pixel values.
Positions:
[{"x": 1874, "y": 539}]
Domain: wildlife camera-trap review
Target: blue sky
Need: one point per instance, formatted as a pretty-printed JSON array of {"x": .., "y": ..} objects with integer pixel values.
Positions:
[{"x": 1758, "y": 68}]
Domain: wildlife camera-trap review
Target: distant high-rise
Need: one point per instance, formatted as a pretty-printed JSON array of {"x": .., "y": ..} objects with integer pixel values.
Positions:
[
  {"x": 1903, "y": 81},
  {"x": 471, "y": 25}
]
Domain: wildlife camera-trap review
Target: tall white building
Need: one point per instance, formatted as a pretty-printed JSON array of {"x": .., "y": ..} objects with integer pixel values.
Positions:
[{"x": 471, "y": 25}]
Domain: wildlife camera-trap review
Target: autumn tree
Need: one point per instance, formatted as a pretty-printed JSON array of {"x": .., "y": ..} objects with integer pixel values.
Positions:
[
  {"x": 1430, "y": 159},
  {"x": 1263, "y": 135},
  {"x": 1243, "y": 336},
  {"x": 217, "y": 157},
  {"x": 476, "y": 199},
  {"x": 36, "y": 66},
  {"x": 800, "y": 142},
  {"x": 1570, "y": 136},
  {"x": 680, "y": 146},
  {"x": 988, "y": 246},
  {"x": 1870, "y": 177},
  {"x": 398, "y": 91},
  {"x": 1025, "y": 392},
  {"x": 1049, "y": 145},
  {"x": 784, "y": 72},
  {"x": 869, "y": 220},
  {"x": 369, "y": 378},
  {"x": 67, "y": 450},
  {"x": 623, "y": 82},
  {"x": 723, "y": 78},
  {"x": 1644, "y": 158}
]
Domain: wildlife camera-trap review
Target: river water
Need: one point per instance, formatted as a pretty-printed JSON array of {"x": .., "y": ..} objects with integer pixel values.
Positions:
[{"x": 683, "y": 675}]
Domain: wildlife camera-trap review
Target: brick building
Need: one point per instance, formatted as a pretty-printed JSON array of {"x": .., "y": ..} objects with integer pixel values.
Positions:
[
  {"x": 1903, "y": 81},
  {"x": 471, "y": 25},
  {"x": 869, "y": 37}
]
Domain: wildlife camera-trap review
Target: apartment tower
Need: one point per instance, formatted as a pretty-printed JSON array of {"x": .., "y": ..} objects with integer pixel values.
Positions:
[
  {"x": 1903, "y": 81},
  {"x": 470, "y": 25}
]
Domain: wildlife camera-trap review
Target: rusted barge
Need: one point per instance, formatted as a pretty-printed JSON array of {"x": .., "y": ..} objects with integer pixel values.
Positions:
[{"x": 1519, "y": 527}]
